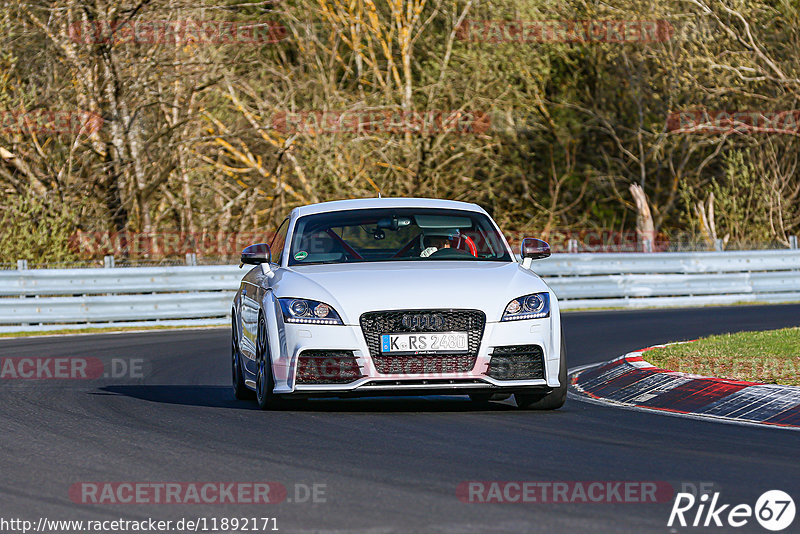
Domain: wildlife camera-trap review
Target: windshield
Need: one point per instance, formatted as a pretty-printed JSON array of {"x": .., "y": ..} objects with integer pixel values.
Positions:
[{"x": 396, "y": 234}]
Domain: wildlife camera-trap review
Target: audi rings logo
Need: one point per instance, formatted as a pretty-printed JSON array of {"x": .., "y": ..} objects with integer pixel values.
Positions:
[{"x": 423, "y": 321}]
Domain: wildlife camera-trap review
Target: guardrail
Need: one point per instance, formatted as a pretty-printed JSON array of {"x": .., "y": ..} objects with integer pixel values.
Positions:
[
  {"x": 672, "y": 279},
  {"x": 71, "y": 298},
  {"x": 47, "y": 299}
]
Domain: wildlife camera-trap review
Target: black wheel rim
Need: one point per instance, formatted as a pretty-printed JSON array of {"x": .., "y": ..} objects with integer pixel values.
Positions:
[
  {"x": 234, "y": 365},
  {"x": 262, "y": 338},
  {"x": 261, "y": 386}
]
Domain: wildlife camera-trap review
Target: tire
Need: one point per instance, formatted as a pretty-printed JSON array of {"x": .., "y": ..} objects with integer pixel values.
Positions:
[
  {"x": 240, "y": 390},
  {"x": 554, "y": 399},
  {"x": 265, "y": 383}
]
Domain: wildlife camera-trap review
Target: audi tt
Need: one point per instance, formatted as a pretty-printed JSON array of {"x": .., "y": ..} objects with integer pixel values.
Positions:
[{"x": 384, "y": 296}]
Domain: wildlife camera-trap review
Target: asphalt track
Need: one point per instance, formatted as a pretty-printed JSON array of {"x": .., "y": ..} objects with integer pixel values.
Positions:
[{"x": 388, "y": 465}]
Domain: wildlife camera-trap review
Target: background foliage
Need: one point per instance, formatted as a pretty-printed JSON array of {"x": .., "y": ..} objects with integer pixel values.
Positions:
[{"x": 189, "y": 141}]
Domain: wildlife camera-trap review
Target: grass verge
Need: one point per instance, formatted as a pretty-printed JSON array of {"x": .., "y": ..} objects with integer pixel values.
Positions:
[{"x": 771, "y": 357}]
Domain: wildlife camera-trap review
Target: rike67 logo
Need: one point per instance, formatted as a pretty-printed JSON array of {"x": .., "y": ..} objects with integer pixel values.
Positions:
[{"x": 774, "y": 510}]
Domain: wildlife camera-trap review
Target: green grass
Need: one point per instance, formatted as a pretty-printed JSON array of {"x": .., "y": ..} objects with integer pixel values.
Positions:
[
  {"x": 104, "y": 330},
  {"x": 771, "y": 357}
]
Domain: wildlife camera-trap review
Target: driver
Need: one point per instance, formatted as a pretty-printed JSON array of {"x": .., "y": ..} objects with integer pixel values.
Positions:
[{"x": 433, "y": 243}]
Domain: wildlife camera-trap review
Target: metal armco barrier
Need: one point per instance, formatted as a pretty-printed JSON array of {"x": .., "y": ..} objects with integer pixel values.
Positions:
[
  {"x": 672, "y": 278},
  {"x": 63, "y": 298},
  {"x": 48, "y": 299}
]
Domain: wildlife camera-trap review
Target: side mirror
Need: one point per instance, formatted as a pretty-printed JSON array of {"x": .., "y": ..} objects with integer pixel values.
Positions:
[
  {"x": 534, "y": 249},
  {"x": 256, "y": 254}
]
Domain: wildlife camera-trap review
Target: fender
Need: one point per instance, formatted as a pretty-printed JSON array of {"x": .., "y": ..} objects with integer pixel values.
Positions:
[
  {"x": 282, "y": 367},
  {"x": 552, "y": 363}
]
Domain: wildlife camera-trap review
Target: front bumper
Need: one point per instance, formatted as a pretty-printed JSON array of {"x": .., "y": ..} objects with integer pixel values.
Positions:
[{"x": 298, "y": 338}]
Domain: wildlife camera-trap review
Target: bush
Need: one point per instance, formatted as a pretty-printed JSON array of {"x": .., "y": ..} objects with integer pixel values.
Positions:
[{"x": 34, "y": 229}]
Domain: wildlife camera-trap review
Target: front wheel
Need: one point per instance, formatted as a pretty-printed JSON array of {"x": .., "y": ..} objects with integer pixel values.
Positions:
[
  {"x": 240, "y": 390},
  {"x": 554, "y": 399},
  {"x": 264, "y": 381}
]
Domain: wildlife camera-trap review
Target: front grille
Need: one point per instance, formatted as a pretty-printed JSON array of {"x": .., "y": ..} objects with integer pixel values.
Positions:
[
  {"x": 327, "y": 367},
  {"x": 373, "y": 324},
  {"x": 516, "y": 362},
  {"x": 431, "y": 363}
]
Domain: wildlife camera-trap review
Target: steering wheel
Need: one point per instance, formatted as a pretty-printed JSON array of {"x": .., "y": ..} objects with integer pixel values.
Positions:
[
  {"x": 449, "y": 253},
  {"x": 465, "y": 243}
]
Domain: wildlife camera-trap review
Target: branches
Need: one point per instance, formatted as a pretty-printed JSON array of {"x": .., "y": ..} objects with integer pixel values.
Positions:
[{"x": 559, "y": 130}]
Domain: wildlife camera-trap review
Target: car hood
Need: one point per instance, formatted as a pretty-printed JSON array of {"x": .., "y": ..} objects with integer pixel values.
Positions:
[{"x": 353, "y": 289}]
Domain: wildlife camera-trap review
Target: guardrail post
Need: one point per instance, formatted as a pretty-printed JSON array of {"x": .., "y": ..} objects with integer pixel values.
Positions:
[
  {"x": 572, "y": 246},
  {"x": 647, "y": 245},
  {"x": 191, "y": 258},
  {"x": 718, "y": 245},
  {"x": 108, "y": 262},
  {"x": 22, "y": 265},
  {"x": 793, "y": 241}
]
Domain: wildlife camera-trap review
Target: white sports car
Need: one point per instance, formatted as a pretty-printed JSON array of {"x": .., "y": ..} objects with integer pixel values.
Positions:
[{"x": 395, "y": 297}]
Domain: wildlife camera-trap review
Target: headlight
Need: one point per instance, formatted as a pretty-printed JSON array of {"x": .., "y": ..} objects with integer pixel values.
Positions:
[
  {"x": 308, "y": 311},
  {"x": 536, "y": 306}
]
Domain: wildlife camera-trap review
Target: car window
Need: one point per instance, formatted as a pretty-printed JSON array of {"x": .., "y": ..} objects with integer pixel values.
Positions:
[
  {"x": 277, "y": 245},
  {"x": 396, "y": 234}
]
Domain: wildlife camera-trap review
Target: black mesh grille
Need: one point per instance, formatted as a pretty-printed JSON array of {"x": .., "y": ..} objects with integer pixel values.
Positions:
[
  {"x": 517, "y": 362},
  {"x": 373, "y": 324},
  {"x": 327, "y": 367},
  {"x": 431, "y": 363}
]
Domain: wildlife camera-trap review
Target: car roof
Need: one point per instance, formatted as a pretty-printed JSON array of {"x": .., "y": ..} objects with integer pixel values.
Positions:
[{"x": 367, "y": 203}]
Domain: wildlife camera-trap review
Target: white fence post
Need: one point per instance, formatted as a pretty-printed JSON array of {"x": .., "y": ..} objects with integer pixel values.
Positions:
[
  {"x": 572, "y": 245},
  {"x": 793, "y": 241},
  {"x": 22, "y": 265},
  {"x": 108, "y": 262}
]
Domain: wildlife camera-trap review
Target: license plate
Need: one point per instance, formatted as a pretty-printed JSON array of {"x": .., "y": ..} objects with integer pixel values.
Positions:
[{"x": 427, "y": 343}]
